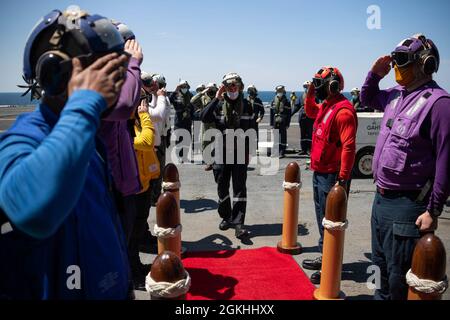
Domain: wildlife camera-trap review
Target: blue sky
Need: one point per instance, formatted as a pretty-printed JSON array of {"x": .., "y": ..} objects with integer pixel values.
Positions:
[{"x": 268, "y": 42}]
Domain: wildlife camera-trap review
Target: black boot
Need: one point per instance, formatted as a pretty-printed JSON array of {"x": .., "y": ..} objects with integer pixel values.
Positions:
[
  {"x": 315, "y": 277},
  {"x": 240, "y": 232},
  {"x": 225, "y": 225},
  {"x": 138, "y": 274},
  {"x": 312, "y": 264}
]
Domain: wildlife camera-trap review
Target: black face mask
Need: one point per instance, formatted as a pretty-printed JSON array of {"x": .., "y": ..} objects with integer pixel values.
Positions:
[
  {"x": 211, "y": 94},
  {"x": 321, "y": 93}
]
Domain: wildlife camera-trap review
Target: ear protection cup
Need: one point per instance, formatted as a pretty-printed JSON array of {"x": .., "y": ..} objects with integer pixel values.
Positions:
[
  {"x": 429, "y": 65},
  {"x": 428, "y": 60},
  {"x": 53, "y": 71},
  {"x": 334, "y": 86}
]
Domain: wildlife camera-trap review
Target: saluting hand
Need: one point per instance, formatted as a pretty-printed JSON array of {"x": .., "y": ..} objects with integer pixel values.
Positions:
[
  {"x": 105, "y": 76},
  {"x": 382, "y": 66},
  {"x": 220, "y": 92},
  {"x": 134, "y": 48},
  {"x": 311, "y": 91},
  {"x": 143, "y": 107},
  {"x": 161, "y": 92}
]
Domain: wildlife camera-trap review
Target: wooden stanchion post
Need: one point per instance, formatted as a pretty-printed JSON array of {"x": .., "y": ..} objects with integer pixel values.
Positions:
[
  {"x": 167, "y": 270},
  {"x": 167, "y": 217},
  {"x": 171, "y": 183},
  {"x": 333, "y": 246},
  {"x": 292, "y": 183},
  {"x": 429, "y": 263}
]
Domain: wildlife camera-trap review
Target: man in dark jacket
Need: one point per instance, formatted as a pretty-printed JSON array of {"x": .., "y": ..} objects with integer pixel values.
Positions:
[
  {"x": 305, "y": 123},
  {"x": 232, "y": 115},
  {"x": 184, "y": 110},
  {"x": 257, "y": 106},
  {"x": 281, "y": 117}
]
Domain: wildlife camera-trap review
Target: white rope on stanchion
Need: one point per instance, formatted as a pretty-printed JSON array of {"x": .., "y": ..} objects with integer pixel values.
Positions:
[
  {"x": 168, "y": 186},
  {"x": 425, "y": 285},
  {"x": 166, "y": 233},
  {"x": 291, "y": 185},
  {"x": 334, "y": 226},
  {"x": 167, "y": 289}
]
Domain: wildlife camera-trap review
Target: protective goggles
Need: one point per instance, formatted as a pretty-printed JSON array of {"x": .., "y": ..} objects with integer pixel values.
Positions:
[
  {"x": 318, "y": 82},
  {"x": 402, "y": 59}
]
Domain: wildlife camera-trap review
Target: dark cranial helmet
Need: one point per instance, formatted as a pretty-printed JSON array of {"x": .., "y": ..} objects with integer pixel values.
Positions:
[
  {"x": 251, "y": 89},
  {"x": 60, "y": 36},
  {"x": 124, "y": 30}
]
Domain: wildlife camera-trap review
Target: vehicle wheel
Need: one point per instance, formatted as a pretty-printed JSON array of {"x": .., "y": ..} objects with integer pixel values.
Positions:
[{"x": 363, "y": 164}]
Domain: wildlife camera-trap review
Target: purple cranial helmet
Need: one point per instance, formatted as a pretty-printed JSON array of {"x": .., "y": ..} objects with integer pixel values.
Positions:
[{"x": 415, "y": 48}]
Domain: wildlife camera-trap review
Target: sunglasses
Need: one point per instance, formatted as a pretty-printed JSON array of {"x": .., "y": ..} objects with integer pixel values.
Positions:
[
  {"x": 402, "y": 59},
  {"x": 147, "y": 82},
  {"x": 231, "y": 85}
]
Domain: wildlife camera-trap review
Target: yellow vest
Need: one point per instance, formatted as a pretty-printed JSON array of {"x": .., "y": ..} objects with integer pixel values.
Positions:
[{"x": 148, "y": 164}]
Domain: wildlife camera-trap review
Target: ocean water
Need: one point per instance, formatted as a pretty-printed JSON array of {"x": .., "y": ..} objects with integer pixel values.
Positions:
[{"x": 15, "y": 99}]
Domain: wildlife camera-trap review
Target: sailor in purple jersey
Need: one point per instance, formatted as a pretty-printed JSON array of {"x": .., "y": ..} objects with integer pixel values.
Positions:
[
  {"x": 412, "y": 158},
  {"x": 117, "y": 136}
]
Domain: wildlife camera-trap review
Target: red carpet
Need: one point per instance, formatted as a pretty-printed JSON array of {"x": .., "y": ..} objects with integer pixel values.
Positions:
[{"x": 257, "y": 274}]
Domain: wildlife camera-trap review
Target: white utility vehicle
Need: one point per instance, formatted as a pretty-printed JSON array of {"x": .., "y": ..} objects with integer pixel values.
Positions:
[{"x": 369, "y": 124}]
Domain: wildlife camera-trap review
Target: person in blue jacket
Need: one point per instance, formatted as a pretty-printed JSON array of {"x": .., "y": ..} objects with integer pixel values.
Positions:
[{"x": 61, "y": 237}]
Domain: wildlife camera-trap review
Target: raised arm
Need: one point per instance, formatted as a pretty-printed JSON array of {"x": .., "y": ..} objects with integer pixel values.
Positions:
[
  {"x": 196, "y": 100},
  {"x": 161, "y": 109},
  {"x": 41, "y": 182},
  {"x": 311, "y": 107},
  {"x": 41, "y": 179},
  {"x": 131, "y": 90},
  {"x": 145, "y": 139},
  {"x": 371, "y": 95}
]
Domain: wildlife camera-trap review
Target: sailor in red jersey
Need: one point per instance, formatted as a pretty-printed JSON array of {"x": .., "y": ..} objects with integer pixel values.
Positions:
[{"x": 333, "y": 145}]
